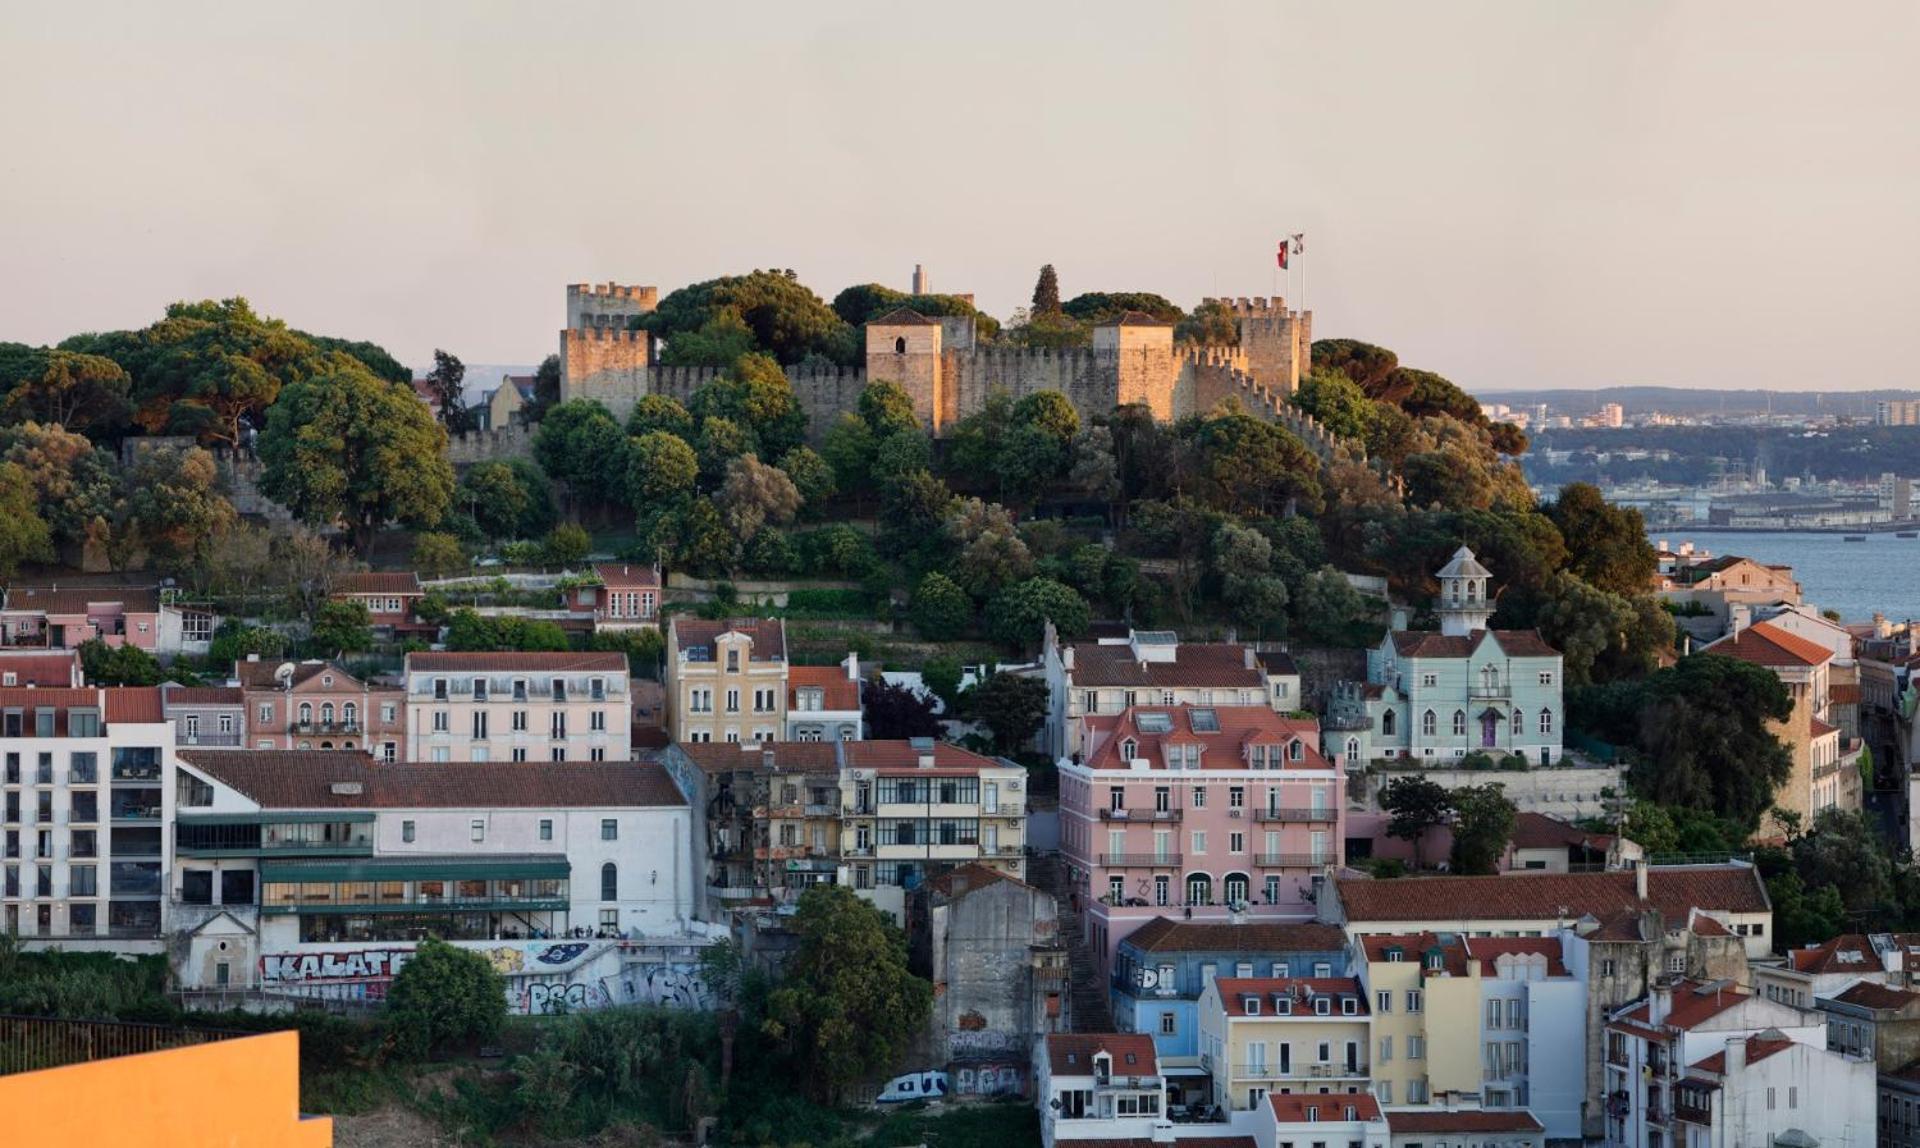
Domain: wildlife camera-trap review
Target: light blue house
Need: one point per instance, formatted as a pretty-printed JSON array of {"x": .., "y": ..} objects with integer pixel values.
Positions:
[
  {"x": 1162, "y": 967},
  {"x": 1437, "y": 697}
]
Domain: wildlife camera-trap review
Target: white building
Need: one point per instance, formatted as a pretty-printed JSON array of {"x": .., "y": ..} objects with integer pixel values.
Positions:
[
  {"x": 88, "y": 793},
  {"x": 1352, "y": 1119},
  {"x": 518, "y": 707},
  {"x": 1099, "y": 1086},
  {"x": 823, "y": 702},
  {"x": 283, "y": 855}
]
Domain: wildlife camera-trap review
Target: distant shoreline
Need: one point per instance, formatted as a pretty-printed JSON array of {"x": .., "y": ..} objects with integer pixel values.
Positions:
[{"x": 1707, "y": 528}]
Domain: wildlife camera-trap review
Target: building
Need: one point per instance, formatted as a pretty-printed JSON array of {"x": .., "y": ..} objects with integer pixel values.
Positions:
[
  {"x": 1438, "y": 1127},
  {"x": 1719, "y": 581},
  {"x": 42, "y": 668},
  {"x": 1153, "y": 668},
  {"x": 625, "y": 596},
  {"x": 518, "y": 707},
  {"x": 1731, "y": 1067},
  {"x": 1897, "y": 413},
  {"x": 1100, "y": 1087},
  {"x": 49, "y": 617},
  {"x": 1437, "y": 697},
  {"x": 1550, "y": 845},
  {"x": 823, "y": 702},
  {"x": 1832, "y": 966},
  {"x": 767, "y": 819},
  {"x": 288, "y": 862},
  {"x": 1213, "y": 811},
  {"x": 1289, "y": 1119},
  {"x": 1826, "y": 773},
  {"x": 89, "y": 791},
  {"x": 1161, "y": 968},
  {"x": 1899, "y": 1114},
  {"x": 505, "y": 405},
  {"x": 1263, "y": 1035},
  {"x": 319, "y": 705},
  {"x": 992, "y": 947},
  {"x": 391, "y": 599},
  {"x": 213, "y": 717},
  {"x": 726, "y": 680},
  {"x": 1495, "y": 1023}
]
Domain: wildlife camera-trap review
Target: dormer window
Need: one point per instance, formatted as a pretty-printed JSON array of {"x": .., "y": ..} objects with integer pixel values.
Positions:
[
  {"x": 1294, "y": 750},
  {"x": 1313, "y": 1114},
  {"x": 1435, "y": 959},
  {"x": 1129, "y": 748},
  {"x": 1348, "y": 1006},
  {"x": 1251, "y": 1005},
  {"x": 1283, "y": 1006},
  {"x": 1395, "y": 953},
  {"x": 1322, "y": 1006}
]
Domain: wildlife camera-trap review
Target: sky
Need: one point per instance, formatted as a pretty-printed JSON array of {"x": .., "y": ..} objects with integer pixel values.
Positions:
[{"x": 1519, "y": 194}]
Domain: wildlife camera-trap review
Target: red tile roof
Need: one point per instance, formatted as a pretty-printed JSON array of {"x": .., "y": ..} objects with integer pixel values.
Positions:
[
  {"x": 1329, "y": 1106},
  {"x": 824, "y": 756},
  {"x": 1849, "y": 953},
  {"x": 1867, "y": 994},
  {"x": 1457, "y": 950},
  {"x": 1235, "y": 990},
  {"x": 1166, "y": 935},
  {"x": 1194, "y": 666},
  {"x": 261, "y": 674},
  {"x": 133, "y": 704},
  {"x": 1674, "y": 890},
  {"x": 840, "y": 691},
  {"x": 61, "y": 697},
  {"x": 399, "y": 583},
  {"x": 507, "y": 662},
  {"x": 768, "y": 635},
  {"x": 1071, "y": 1054},
  {"x": 1462, "y": 1121},
  {"x": 1765, "y": 644},
  {"x": 1538, "y": 831},
  {"x": 970, "y": 877},
  {"x": 627, "y": 576},
  {"x": 82, "y": 599},
  {"x": 1693, "y": 1002},
  {"x": 1427, "y": 644},
  {"x": 1240, "y": 728},
  {"x": 306, "y": 779},
  {"x": 58, "y": 668},
  {"x": 173, "y": 695},
  {"x": 1758, "y": 1048},
  {"x": 1843, "y": 694}
]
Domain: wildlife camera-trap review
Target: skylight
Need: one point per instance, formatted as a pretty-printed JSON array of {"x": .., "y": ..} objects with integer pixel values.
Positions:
[
  {"x": 1154, "y": 722},
  {"x": 1204, "y": 721}
]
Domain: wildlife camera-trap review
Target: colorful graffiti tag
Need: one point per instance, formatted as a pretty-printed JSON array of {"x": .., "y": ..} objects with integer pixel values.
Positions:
[
  {"x": 1006, "y": 1079},
  {"x": 325, "y": 968},
  {"x": 541, "y": 998}
]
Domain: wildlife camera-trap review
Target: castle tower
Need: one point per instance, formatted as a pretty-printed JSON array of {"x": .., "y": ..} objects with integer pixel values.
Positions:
[
  {"x": 608, "y": 304},
  {"x": 1145, "y": 370},
  {"x": 904, "y": 347},
  {"x": 921, "y": 284},
  {"x": 1276, "y": 343},
  {"x": 1463, "y": 605},
  {"x": 601, "y": 357}
]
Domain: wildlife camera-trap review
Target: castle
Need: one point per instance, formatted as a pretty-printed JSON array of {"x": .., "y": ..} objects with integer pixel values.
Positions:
[{"x": 949, "y": 373}]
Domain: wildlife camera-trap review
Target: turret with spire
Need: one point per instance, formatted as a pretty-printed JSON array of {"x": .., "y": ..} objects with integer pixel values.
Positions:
[{"x": 1463, "y": 605}]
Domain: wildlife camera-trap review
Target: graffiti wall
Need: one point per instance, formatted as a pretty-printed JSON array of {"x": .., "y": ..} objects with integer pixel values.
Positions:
[
  {"x": 992, "y": 1078},
  {"x": 543, "y": 977}
]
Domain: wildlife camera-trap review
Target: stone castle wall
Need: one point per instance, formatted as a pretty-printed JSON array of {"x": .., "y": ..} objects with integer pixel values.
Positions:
[{"x": 503, "y": 444}]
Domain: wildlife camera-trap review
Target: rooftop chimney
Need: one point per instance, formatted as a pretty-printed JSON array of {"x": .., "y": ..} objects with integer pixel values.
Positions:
[
  {"x": 1659, "y": 1003},
  {"x": 1736, "y": 1054},
  {"x": 853, "y": 667},
  {"x": 923, "y": 751},
  {"x": 1640, "y": 880}
]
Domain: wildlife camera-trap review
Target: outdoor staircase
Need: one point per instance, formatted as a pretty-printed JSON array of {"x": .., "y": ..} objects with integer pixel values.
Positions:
[{"x": 1088, "y": 1009}]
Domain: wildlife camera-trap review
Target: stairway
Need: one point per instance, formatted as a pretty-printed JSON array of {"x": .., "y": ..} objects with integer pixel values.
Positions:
[{"x": 1088, "y": 1009}]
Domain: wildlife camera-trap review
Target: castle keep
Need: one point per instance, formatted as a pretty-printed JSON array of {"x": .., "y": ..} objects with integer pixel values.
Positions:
[{"x": 949, "y": 373}]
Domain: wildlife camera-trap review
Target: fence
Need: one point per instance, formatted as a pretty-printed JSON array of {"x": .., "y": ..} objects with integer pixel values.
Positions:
[{"x": 28, "y": 1043}]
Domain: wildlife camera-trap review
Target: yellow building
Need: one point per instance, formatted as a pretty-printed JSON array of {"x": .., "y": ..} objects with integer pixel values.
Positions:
[
  {"x": 240, "y": 1091},
  {"x": 1264, "y": 1035},
  {"x": 726, "y": 681}
]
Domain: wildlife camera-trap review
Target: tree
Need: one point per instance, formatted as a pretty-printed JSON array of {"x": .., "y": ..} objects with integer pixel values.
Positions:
[
  {"x": 581, "y": 444},
  {"x": 447, "y": 383},
  {"x": 896, "y": 712},
  {"x": 1414, "y": 804},
  {"x": 1370, "y": 368},
  {"x": 546, "y": 389},
  {"x": 757, "y": 495},
  {"x": 175, "y": 507},
  {"x": 1012, "y": 707},
  {"x": 1338, "y": 402},
  {"x": 1018, "y": 614},
  {"x": 502, "y": 499},
  {"x": 74, "y": 482},
  {"x": 848, "y": 449},
  {"x": 24, "y": 536},
  {"x": 810, "y": 475},
  {"x": 1843, "y": 851},
  {"x": 566, "y": 545},
  {"x": 1046, "y": 292},
  {"x": 443, "y": 996},
  {"x": 784, "y": 318},
  {"x": 887, "y": 409},
  {"x": 988, "y": 550},
  {"x": 900, "y": 454},
  {"x": 942, "y": 676},
  {"x": 1104, "y": 306},
  {"x": 342, "y": 626},
  {"x": 1606, "y": 545},
  {"x": 1329, "y": 612},
  {"x": 1603, "y": 636},
  {"x": 1212, "y": 324},
  {"x": 347, "y": 447},
  {"x": 847, "y": 1006},
  {"x": 1253, "y": 467},
  {"x": 756, "y": 396},
  {"x": 79, "y": 392},
  {"x": 1483, "y": 821},
  {"x": 661, "y": 468},
  {"x": 1704, "y": 740},
  {"x": 912, "y": 511},
  {"x": 941, "y": 610},
  {"x": 127, "y": 665},
  {"x": 653, "y": 412},
  {"x": 721, "y": 441},
  {"x": 437, "y": 555}
]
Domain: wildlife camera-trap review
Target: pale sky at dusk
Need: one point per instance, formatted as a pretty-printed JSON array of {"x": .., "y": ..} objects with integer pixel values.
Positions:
[{"x": 1513, "y": 194}]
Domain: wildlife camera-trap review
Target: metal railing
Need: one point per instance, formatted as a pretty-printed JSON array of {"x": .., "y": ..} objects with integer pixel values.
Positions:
[
  {"x": 1295, "y": 814},
  {"x": 1140, "y": 860},
  {"x": 28, "y": 1043},
  {"x": 1293, "y": 860},
  {"x": 1141, "y": 814}
]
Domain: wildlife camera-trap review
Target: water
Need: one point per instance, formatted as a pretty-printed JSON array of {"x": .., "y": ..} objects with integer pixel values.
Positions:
[{"x": 1858, "y": 579}]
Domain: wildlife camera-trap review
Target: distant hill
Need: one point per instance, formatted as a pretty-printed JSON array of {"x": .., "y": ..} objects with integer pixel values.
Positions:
[{"x": 1680, "y": 400}]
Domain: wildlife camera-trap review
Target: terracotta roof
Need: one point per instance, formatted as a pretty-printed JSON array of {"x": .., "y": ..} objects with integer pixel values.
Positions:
[
  {"x": 1457, "y": 950},
  {"x": 903, "y": 317},
  {"x": 825, "y": 756},
  {"x": 260, "y": 674},
  {"x": 1330, "y": 1106},
  {"x": 507, "y": 662},
  {"x": 1758, "y": 1048},
  {"x": 1818, "y": 728},
  {"x": 627, "y": 575},
  {"x": 1489, "y": 950},
  {"x": 173, "y": 695},
  {"x": 1071, "y": 1054},
  {"x": 1693, "y": 1002},
  {"x": 1166, "y": 935},
  {"x": 1235, "y": 990},
  {"x": 1194, "y": 666},
  {"x": 1867, "y": 994},
  {"x": 1549, "y": 896},
  {"x": 1849, "y": 953},
  {"x": 133, "y": 704},
  {"x": 56, "y": 668},
  {"x": 305, "y": 779},
  {"x": 62, "y": 697},
  {"x": 378, "y": 582},
  {"x": 1427, "y": 644},
  {"x": 1225, "y": 748},
  {"x": 1765, "y": 644},
  {"x": 1136, "y": 319},
  {"x": 967, "y": 878},
  {"x": 1538, "y": 831},
  {"x": 769, "y": 637},
  {"x": 1402, "y": 1120},
  {"x": 840, "y": 691},
  {"x": 1705, "y": 926},
  {"x": 79, "y": 600}
]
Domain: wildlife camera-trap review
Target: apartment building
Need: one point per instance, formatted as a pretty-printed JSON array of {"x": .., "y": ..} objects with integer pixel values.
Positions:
[
  {"x": 1161, "y": 968},
  {"x": 626, "y": 596},
  {"x": 726, "y": 680},
  {"x": 518, "y": 707},
  {"x": 1286, "y": 1035},
  {"x": 88, "y": 798},
  {"x": 767, "y": 818},
  {"x": 1832, "y": 966},
  {"x": 1208, "y": 811},
  {"x": 213, "y": 717},
  {"x": 823, "y": 702},
  {"x": 391, "y": 597},
  {"x": 1826, "y": 772},
  {"x": 319, "y": 705},
  {"x": 1290, "y": 1119},
  {"x": 293, "y": 863},
  {"x": 1103, "y": 1088},
  {"x": 1154, "y": 668},
  {"x": 54, "y": 617}
]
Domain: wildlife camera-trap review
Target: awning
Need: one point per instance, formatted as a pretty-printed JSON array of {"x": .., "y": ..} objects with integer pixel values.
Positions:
[
  {"x": 1183, "y": 1070},
  {"x": 418, "y": 868},
  {"x": 278, "y": 817}
]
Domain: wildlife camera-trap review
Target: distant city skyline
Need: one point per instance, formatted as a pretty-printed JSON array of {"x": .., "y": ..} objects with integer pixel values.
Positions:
[{"x": 1534, "y": 197}]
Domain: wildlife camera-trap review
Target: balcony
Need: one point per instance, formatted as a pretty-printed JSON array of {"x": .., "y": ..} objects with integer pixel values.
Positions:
[
  {"x": 1300, "y": 1071},
  {"x": 1293, "y": 860},
  {"x": 324, "y": 728},
  {"x": 1346, "y": 721},
  {"x": 1490, "y": 692},
  {"x": 1140, "y": 860},
  {"x": 1162, "y": 815},
  {"x": 136, "y": 810},
  {"x": 213, "y": 740},
  {"x": 1296, "y": 815}
]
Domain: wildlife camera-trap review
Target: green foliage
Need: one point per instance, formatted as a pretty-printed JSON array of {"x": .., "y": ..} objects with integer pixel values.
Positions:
[
  {"x": 1603, "y": 636},
  {"x": 847, "y": 1006},
  {"x": 447, "y": 383},
  {"x": 987, "y": 548},
  {"x": 444, "y": 996},
  {"x": 652, "y": 412},
  {"x": 811, "y": 476},
  {"x": 941, "y": 610},
  {"x": 1483, "y": 821},
  {"x": 62, "y": 388},
  {"x": 913, "y": 511},
  {"x": 342, "y": 626},
  {"x": 1338, "y": 402},
  {"x": 437, "y": 555},
  {"x": 566, "y": 545},
  {"x": 472, "y": 632},
  {"x": 661, "y": 468},
  {"x": 1012, "y": 708},
  {"x": 1046, "y": 292},
  {"x": 837, "y": 551},
  {"x": 887, "y": 409},
  {"x": 1018, "y": 614},
  {"x": 1414, "y": 804},
  {"x": 942, "y": 675},
  {"x": 755, "y": 496},
  {"x": 848, "y": 448},
  {"x": 756, "y": 397},
  {"x": 233, "y": 640},
  {"x": 75, "y": 483},
  {"x": 1328, "y": 611},
  {"x": 175, "y": 508},
  {"x": 1370, "y": 368},
  {"x": 867, "y": 301},
  {"x": 1101, "y": 306},
  {"x": 1211, "y": 325},
  {"x": 505, "y": 500},
  {"x": 579, "y": 443},
  {"x": 1250, "y": 466},
  {"x": 345, "y": 446},
  {"x": 643, "y": 648},
  {"x": 24, "y": 536},
  {"x": 1606, "y": 544},
  {"x": 785, "y": 319},
  {"x": 126, "y": 665}
]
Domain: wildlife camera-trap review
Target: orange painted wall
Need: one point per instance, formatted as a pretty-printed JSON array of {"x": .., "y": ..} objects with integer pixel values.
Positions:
[{"x": 241, "y": 1093}]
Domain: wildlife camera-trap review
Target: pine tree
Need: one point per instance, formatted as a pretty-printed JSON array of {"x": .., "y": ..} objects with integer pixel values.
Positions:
[{"x": 1046, "y": 293}]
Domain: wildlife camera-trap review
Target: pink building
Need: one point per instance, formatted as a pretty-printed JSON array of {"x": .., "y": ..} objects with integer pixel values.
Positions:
[
  {"x": 1215, "y": 811},
  {"x": 627, "y": 597},
  {"x": 318, "y": 705},
  {"x": 389, "y": 596},
  {"x": 54, "y": 618}
]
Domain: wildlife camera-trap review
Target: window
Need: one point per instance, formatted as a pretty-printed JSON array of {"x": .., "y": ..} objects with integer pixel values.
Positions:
[
  {"x": 480, "y": 725},
  {"x": 609, "y": 882},
  {"x": 1429, "y": 725},
  {"x": 1519, "y": 722},
  {"x": 1493, "y": 1014},
  {"x": 1386, "y": 1048},
  {"x": 1169, "y": 1025},
  {"x": 609, "y": 829},
  {"x": 557, "y": 726},
  {"x": 406, "y": 832},
  {"x": 1387, "y": 723},
  {"x": 1383, "y": 1090},
  {"x": 1429, "y": 680},
  {"x": 1413, "y": 1000},
  {"x": 1459, "y": 723},
  {"x": 1383, "y": 1001},
  {"x": 477, "y": 830},
  {"x": 1199, "y": 841},
  {"x": 1199, "y": 797},
  {"x": 546, "y": 829},
  {"x": 1236, "y": 843},
  {"x": 1416, "y": 1047},
  {"x": 1546, "y": 721},
  {"x": 733, "y": 661},
  {"x": 440, "y": 721},
  {"x": 733, "y": 701}
]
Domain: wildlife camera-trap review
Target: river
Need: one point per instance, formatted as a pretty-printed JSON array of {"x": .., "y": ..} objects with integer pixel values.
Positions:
[{"x": 1858, "y": 579}]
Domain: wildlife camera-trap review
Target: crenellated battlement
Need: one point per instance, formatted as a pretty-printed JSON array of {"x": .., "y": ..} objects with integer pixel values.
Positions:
[
  {"x": 1251, "y": 306},
  {"x": 648, "y": 297},
  {"x": 603, "y": 335}
]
